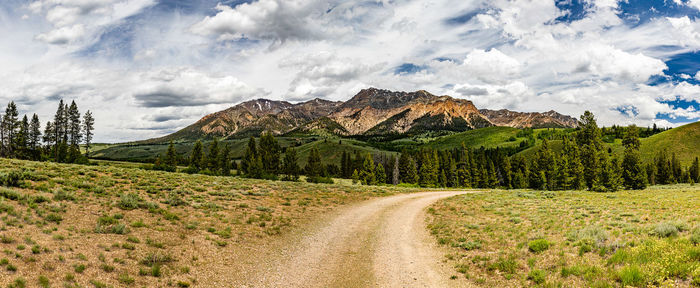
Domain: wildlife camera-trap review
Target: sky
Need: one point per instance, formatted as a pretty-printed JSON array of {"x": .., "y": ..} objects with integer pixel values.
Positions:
[{"x": 147, "y": 68}]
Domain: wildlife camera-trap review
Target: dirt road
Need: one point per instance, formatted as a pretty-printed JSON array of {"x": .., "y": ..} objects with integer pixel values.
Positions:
[{"x": 377, "y": 243}]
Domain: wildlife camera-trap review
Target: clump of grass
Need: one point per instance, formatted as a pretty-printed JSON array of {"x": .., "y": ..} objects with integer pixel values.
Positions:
[
  {"x": 505, "y": 265},
  {"x": 538, "y": 245},
  {"x": 156, "y": 258},
  {"x": 125, "y": 279},
  {"x": 43, "y": 281},
  {"x": 537, "y": 276},
  {"x": 631, "y": 276}
]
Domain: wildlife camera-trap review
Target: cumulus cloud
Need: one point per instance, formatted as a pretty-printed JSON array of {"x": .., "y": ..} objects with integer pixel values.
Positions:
[
  {"x": 188, "y": 87},
  {"x": 72, "y": 19},
  {"x": 278, "y": 20}
]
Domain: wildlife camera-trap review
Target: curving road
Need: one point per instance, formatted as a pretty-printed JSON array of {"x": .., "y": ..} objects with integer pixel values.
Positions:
[{"x": 377, "y": 243}]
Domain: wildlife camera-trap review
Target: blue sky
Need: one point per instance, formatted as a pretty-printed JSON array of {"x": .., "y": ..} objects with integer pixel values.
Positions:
[{"x": 149, "y": 67}]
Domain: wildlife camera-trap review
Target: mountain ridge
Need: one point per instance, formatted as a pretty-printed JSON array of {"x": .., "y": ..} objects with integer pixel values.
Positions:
[{"x": 372, "y": 111}]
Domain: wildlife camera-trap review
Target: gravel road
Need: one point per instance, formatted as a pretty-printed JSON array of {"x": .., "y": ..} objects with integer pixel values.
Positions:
[{"x": 377, "y": 243}]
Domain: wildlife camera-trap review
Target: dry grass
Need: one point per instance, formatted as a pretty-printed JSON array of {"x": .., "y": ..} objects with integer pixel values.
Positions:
[
  {"x": 573, "y": 238},
  {"x": 88, "y": 226}
]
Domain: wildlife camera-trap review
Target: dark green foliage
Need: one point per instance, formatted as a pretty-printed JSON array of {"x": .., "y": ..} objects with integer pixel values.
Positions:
[
  {"x": 196, "y": 156},
  {"x": 314, "y": 168},
  {"x": 633, "y": 172},
  {"x": 290, "y": 168},
  {"x": 269, "y": 153}
]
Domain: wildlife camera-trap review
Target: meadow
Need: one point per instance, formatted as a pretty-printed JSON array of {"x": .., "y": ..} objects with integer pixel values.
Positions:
[
  {"x": 572, "y": 238},
  {"x": 116, "y": 225}
]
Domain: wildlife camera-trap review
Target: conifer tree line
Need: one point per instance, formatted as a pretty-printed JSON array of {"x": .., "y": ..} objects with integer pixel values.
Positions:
[
  {"x": 583, "y": 162},
  {"x": 60, "y": 140}
]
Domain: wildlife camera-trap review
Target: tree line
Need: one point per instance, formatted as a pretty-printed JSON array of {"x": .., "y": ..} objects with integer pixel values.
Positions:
[
  {"x": 59, "y": 142},
  {"x": 582, "y": 162}
]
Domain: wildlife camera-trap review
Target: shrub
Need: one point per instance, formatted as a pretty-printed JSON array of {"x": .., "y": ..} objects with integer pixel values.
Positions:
[
  {"x": 665, "y": 229},
  {"x": 695, "y": 236},
  {"x": 61, "y": 195},
  {"x": 538, "y": 245},
  {"x": 317, "y": 179},
  {"x": 53, "y": 217},
  {"x": 124, "y": 278},
  {"x": 537, "y": 276},
  {"x": 12, "y": 179},
  {"x": 129, "y": 201}
]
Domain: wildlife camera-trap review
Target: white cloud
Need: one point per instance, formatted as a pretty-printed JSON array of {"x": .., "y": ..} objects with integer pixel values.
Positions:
[
  {"x": 277, "y": 20},
  {"x": 63, "y": 35},
  {"x": 72, "y": 19}
]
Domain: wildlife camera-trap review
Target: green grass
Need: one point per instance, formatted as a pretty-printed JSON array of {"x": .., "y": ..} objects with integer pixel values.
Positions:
[
  {"x": 66, "y": 218},
  {"x": 628, "y": 238},
  {"x": 489, "y": 137},
  {"x": 683, "y": 141}
]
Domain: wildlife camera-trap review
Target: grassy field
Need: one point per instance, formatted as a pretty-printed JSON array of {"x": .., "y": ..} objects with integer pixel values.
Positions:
[
  {"x": 117, "y": 226},
  {"x": 490, "y": 137},
  {"x": 572, "y": 239}
]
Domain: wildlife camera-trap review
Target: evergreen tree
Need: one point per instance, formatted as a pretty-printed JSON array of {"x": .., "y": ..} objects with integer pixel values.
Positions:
[
  {"x": 694, "y": 171},
  {"x": 74, "y": 128},
  {"x": 270, "y": 152},
  {"x": 367, "y": 175},
  {"x": 171, "y": 156},
  {"x": 225, "y": 161},
  {"x": 633, "y": 172},
  {"x": 88, "y": 127},
  {"x": 9, "y": 127},
  {"x": 651, "y": 173},
  {"x": 290, "y": 168},
  {"x": 407, "y": 169},
  {"x": 664, "y": 175},
  {"x": 380, "y": 174},
  {"x": 35, "y": 137},
  {"x": 212, "y": 160},
  {"x": 196, "y": 156},
  {"x": 49, "y": 137},
  {"x": 314, "y": 168},
  {"x": 250, "y": 156},
  {"x": 59, "y": 130},
  {"x": 492, "y": 178},
  {"x": 676, "y": 169}
]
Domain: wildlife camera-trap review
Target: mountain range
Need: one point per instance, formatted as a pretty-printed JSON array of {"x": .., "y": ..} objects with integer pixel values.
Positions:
[{"x": 371, "y": 112}]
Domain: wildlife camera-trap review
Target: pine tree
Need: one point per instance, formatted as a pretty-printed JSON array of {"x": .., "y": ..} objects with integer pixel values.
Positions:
[
  {"x": 345, "y": 165},
  {"x": 633, "y": 172},
  {"x": 492, "y": 178},
  {"x": 49, "y": 138},
  {"x": 290, "y": 167},
  {"x": 88, "y": 127},
  {"x": 9, "y": 126},
  {"x": 35, "y": 137},
  {"x": 59, "y": 130},
  {"x": 664, "y": 175},
  {"x": 694, "y": 171},
  {"x": 407, "y": 169},
  {"x": 22, "y": 139},
  {"x": 171, "y": 156},
  {"x": 196, "y": 156},
  {"x": 270, "y": 152},
  {"x": 367, "y": 176},
  {"x": 225, "y": 161},
  {"x": 380, "y": 174},
  {"x": 249, "y": 158},
  {"x": 314, "y": 168},
  {"x": 74, "y": 128},
  {"x": 212, "y": 160}
]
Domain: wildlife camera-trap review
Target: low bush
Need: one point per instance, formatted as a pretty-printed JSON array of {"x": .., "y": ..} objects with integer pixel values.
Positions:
[{"x": 538, "y": 245}]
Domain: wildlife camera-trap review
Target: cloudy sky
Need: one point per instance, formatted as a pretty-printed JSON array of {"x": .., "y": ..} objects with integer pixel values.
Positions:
[{"x": 149, "y": 67}]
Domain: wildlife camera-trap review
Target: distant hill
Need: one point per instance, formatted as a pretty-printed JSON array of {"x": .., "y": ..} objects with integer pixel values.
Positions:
[
  {"x": 490, "y": 137},
  {"x": 684, "y": 141},
  {"x": 371, "y": 112}
]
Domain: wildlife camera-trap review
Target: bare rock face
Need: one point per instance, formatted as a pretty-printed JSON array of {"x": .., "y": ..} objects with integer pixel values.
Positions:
[
  {"x": 551, "y": 119},
  {"x": 371, "y": 112}
]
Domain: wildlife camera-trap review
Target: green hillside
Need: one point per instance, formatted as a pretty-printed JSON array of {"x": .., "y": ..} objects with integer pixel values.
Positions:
[
  {"x": 332, "y": 149},
  {"x": 489, "y": 137},
  {"x": 684, "y": 141}
]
